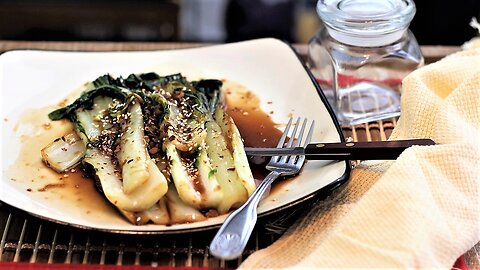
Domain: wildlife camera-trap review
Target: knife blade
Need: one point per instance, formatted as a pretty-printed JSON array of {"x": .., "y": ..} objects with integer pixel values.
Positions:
[{"x": 377, "y": 150}]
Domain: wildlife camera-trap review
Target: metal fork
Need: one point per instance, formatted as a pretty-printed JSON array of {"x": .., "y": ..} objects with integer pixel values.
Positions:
[{"x": 232, "y": 237}]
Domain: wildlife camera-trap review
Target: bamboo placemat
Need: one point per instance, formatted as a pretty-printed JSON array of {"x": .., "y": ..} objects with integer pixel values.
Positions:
[{"x": 430, "y": 53}]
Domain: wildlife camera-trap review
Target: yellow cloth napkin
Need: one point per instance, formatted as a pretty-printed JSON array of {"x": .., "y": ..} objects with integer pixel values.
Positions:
[{"x": 420, "y": 211}]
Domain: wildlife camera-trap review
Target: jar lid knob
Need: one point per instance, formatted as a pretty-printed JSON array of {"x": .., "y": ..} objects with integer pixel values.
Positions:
[{"x": 366, "y": 23}]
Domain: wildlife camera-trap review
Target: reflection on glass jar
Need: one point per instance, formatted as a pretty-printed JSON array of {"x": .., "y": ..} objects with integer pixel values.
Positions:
[{"x": 361, "y": 56}]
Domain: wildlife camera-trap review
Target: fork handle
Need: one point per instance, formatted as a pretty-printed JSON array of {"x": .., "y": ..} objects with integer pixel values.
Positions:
[
  {"x": 231, "y": 239},
  {"x": 361, "y": 150}
]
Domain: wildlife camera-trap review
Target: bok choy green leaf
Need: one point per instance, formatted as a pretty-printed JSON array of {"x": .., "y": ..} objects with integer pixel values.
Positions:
[{"x": 161, "y": 148}]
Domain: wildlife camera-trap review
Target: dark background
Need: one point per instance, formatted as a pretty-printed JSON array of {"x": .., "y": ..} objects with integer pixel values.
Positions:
[
  {"x": 445, "y": 22},
  {"x": 439, "y": 22}
]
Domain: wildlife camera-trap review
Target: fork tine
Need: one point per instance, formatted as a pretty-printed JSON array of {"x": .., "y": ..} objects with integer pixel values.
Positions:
[
  {"x": 291, "y": 140},
  {"x": 301, "y": 159},
  {"x": 292, "y": 137},
  {"x": 297, "y": 140},
  {"x": 284, "y": 135},
  {"x": 310, "y": 134},
  {"x": 282, "y": 139}
]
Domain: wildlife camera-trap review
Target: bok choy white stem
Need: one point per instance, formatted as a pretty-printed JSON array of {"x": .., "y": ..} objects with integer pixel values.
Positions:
[
  {"x": 64, "y": 153},
  {"x": 133, "y": 154},
  {"x": 161, "y": 148}
]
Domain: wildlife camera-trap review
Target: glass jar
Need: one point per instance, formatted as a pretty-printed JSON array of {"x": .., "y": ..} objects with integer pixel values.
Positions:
[{"x": 361, "y": 55}]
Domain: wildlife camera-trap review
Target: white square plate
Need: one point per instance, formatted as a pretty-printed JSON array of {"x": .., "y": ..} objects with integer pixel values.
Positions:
[{"x": 270, "y": 68}]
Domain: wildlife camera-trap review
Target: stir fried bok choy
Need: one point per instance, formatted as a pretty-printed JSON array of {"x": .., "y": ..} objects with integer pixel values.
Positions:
[{"x": 160, "y": 148}]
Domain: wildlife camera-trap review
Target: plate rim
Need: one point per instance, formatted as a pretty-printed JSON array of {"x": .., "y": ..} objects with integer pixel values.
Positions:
[{"x": 321, "y": 192}]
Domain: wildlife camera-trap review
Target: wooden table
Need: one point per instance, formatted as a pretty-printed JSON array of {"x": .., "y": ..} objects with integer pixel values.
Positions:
[
  {"x": 431, "y": 53},
  {"x": 29, "y": 239}
]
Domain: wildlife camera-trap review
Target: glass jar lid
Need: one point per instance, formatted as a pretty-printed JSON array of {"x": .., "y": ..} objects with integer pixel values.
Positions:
[{"x": 367, "y": 23}]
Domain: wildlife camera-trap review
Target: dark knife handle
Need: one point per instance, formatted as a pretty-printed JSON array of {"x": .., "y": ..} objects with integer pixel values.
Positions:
[{"x": 378, "y": 150}]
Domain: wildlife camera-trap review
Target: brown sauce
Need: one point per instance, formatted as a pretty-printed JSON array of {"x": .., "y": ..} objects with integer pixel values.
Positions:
[
  {"x": 72, "y": 190},
  {"x": 80, "y": 194},
  {"x": 255, "y": 126}
]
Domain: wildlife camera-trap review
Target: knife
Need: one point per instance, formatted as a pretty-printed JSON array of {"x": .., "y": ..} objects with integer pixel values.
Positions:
[{"x": 377, "y": 150}]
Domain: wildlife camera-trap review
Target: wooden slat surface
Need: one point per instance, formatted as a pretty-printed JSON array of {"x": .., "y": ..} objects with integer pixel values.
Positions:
[
  {"x": 431, "y": 53},
  {"x": 94, "y": 46}
]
